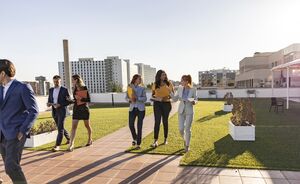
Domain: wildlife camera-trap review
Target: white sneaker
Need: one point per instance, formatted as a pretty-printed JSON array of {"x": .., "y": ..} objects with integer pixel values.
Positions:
[{"x": 56, "y": 148}]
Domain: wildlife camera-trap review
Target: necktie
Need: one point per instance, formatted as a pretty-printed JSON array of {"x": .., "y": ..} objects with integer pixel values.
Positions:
[{"x": 1, "y": 94}]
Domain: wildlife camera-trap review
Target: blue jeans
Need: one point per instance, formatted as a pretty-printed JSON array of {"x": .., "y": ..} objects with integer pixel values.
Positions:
[{"x": 132, "y": 116}]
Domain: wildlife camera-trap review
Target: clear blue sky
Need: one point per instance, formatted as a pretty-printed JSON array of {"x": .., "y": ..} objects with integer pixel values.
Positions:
[{"x": 179, "y": 36}]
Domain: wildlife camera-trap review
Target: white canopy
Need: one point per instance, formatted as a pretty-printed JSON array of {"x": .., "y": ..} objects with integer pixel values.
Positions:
[{"x": 290, "y": 65}]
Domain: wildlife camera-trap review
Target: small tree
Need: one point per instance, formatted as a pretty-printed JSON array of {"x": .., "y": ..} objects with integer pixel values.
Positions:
[{"x": 116, "y": 88}]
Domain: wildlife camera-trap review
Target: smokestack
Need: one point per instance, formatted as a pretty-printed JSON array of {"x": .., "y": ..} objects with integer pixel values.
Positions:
[{"x": 67, "y": 67}]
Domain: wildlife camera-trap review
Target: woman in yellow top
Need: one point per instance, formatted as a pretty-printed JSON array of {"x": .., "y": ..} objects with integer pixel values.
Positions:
[{"x": 161, "y": 90}]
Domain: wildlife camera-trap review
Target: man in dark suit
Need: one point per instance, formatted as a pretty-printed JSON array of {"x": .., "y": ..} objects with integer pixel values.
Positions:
[
  {"x": 18, "y": 111},
  {"x": 59, "y": 99}
]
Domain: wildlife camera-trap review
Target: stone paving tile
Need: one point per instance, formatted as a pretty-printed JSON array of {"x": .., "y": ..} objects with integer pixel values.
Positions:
[
  {"x": 169, "y": 169},
  {"x": 276, "y": 181},
  {"x": 165, "y": 177},
  {"x": 291, "y": 175},
  {"x": 250, "y": 173},
  {"x": 271, "y": 174},
  {"x": 123, "y": 174},
  {"x": 230, "y": 180},
  {"x": 115, "y": 181},
  {"x": 99, "y": 180},
  {"x": 132, "y": 166},
  {"x": 208, "y": 179},
  {"x": 294, "y": 181},
  {"x": 185, "y": 178},
  {"x": 229, "y": 172},
  {"x": 42, "y": 179},
  {"x": 247, "y": 180},
  {"x": 54, "y": 170}
]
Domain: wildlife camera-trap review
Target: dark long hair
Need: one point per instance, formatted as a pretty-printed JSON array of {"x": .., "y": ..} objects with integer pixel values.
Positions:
[
  {"x": 157, "y": 79},
  {"x": 134, "y": 78}
]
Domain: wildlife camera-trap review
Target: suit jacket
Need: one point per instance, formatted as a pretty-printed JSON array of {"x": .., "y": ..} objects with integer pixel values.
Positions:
[
  {"x": 185, "y": 106},
  {"x": 18, "y": 110},
  {"x": 63, "y": 95},
  {"x": 140, "y": 93}
]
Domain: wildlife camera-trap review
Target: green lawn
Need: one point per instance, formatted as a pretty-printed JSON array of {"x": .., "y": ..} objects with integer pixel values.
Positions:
[
  {"x": 104, "y": 120},
  {"x": 277, "y": 144}
]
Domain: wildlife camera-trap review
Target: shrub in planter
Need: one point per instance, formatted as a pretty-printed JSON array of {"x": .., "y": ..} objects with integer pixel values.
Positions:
[
  {"x": 228, "y": 97},
  {"x": 243, "y": 113},
  {"x": 228, "y": 102},
  {"x": 45, "y": 126},
  {"x": 42, "y": 134},
  {"x": 241, "y": 126}
]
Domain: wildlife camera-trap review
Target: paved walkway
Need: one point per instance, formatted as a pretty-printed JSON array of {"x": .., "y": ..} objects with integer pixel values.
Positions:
[{"x": 106, "y": 162}]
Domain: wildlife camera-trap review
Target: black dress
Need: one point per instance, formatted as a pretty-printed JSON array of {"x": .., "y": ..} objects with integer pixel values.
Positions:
[{"x": 81, "y": 111}]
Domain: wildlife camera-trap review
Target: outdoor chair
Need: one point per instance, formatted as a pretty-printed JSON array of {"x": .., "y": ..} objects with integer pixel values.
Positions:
[{"x": 276, "y": 103}]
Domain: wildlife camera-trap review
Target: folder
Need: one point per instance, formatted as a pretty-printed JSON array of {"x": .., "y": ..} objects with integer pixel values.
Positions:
[
  {"x": 82, "y": 94},
  {"x": 130, "y": 92}
]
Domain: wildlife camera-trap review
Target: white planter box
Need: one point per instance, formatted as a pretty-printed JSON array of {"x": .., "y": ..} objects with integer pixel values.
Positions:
[
  {"x": 41, "y": 139},
  {"x": 227, "y": 108},
  {"x": 241, "y": 133}
]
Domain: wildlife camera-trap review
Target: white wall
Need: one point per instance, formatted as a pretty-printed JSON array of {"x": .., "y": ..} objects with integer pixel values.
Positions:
[
  {"x": 42, "y": 103},
  {"x": 237, "y": 93},
  {"x": 260, "y": 92},
  {"x": 107, "y": 97}
]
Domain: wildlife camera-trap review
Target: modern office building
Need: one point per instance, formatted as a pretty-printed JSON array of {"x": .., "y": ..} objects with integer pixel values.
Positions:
[
  {"x": 147, "y": 72},
  {"x": 91, "y": 71},
  {"x": 116, "y": 73},
  {"x": 101, "y": 76},
  {"x": 222, "y": 78},
  {"x": 255, "y": 71}
]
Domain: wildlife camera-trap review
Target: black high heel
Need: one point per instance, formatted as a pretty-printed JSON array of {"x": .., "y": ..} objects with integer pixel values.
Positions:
[{"x": 90, "y": 143}]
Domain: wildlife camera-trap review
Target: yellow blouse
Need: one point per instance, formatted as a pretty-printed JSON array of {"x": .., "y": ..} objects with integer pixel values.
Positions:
[{"x": 162, "y": 91}]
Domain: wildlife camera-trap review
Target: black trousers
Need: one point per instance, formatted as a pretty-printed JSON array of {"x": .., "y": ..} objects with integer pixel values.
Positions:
[
  {"x": 59, "y": 118},
  {"x": 161, "y": 112},
  {"x": 11, "y": 152},
  {"x": 132, "y": 116}
]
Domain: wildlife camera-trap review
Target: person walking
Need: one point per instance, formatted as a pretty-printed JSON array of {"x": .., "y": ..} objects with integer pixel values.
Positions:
[
  {"x": 187, "y": 95},
  {"x": 58, "y": 99},
  {"x": 161, "y": 90},
  {"x": 18, "y": 111},
  {"x": 136, "y": 96},
  {"x": 80, "y": 110}
]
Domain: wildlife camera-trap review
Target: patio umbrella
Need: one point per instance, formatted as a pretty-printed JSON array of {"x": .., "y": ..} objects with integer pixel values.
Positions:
[{"x": 288, "y": 66}]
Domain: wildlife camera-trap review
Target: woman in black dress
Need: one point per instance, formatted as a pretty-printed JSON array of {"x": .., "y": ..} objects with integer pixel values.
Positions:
[{"x": 80, "y": 110}]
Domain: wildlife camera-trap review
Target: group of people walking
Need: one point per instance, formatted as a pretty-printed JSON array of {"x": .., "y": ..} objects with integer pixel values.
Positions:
[
  {"x": 163, "y": 93},
  {"x": 19, "y": 110}
]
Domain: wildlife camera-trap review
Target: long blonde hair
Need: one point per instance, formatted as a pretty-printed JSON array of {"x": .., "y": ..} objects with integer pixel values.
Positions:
[{"x": 79, "y": 81}]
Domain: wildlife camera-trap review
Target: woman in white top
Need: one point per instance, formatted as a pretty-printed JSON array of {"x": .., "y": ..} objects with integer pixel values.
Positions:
[{"x": 187, "y": 95}]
